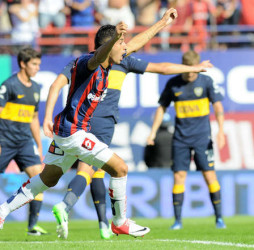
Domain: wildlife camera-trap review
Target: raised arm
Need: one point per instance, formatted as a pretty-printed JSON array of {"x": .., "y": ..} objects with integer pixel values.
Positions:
[
  {"x": 156, "y": 124},
  {"x": 102, "y": 53},
  {"x": 54, "y": 90},
  {"x": 141, "y": 39},
  {"x": 166, "y": 68}
]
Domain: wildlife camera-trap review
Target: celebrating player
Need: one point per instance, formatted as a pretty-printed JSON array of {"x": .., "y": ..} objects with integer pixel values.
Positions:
[{"x": 72, "y": 139}]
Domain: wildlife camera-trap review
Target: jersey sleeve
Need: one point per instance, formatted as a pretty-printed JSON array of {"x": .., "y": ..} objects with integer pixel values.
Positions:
[
  {"x": 136, "y": 65},
  {"x": 214, "y": 93},
  {"x": 166, "y": 95},
  {"x": 81, "y": 69},
  {"x": 67, "y": 70},
  {"x": 5, "y": 93}
]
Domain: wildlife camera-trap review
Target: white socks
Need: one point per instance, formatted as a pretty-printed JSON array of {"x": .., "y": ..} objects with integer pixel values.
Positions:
[
  {"x": 117, "y": 193},
  {"x": 24, "y": 195}
]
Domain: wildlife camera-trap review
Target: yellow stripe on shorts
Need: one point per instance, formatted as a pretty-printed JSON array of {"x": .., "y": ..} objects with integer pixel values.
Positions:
[{"x": 192, "y": 108}]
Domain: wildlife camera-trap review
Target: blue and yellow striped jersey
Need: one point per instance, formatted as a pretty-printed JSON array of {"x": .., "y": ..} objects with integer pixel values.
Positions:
[
  {"x": 191, "y": 101},
  {"x": 19, "y": 104}
]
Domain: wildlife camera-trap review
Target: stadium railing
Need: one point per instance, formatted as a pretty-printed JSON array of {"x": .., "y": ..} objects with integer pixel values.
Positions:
[{"x": 176, "y": 36}]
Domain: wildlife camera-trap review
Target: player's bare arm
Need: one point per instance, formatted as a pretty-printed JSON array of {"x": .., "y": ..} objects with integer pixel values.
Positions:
[
  {"x": 53, "y": 94},
  {"x": 35, "y": 129},
  {"x": 141, "y": 39},
  {"x": 166, "y": 68},
  {"x": 101, "y": 55},
  {"x": 219, "y": 114},
  {"x": 156, "y": 124}
]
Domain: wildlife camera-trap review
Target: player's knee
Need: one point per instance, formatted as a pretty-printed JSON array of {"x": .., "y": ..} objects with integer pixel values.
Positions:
[{"x": 179, "y": 177}]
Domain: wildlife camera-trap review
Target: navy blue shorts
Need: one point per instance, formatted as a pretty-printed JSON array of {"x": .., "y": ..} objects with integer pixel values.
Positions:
[
  {"x": 25, "y": 155},
  {"x": 203, "y": 156}
]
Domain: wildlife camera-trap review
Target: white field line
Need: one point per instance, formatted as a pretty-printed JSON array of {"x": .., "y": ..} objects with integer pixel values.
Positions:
[{"x": 201, "y": 242}]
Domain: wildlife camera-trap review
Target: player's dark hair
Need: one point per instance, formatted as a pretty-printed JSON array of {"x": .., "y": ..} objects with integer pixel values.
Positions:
[
  {"x": 105, "y": 33},
  {"x": 190, "y": 58},
  {"x": 26, "y": 54}
]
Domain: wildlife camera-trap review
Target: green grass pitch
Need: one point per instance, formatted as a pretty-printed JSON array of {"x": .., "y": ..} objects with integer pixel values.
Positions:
[{"x": 198, "y": 233}]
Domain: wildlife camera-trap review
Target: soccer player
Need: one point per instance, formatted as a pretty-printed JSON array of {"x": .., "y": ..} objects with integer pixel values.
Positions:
[
  {"x": 72, "y": 138},
  {"x": 191, "y": 94},
  {"x": 102, "y": 125},
  {"x": 19, "y": 125}
]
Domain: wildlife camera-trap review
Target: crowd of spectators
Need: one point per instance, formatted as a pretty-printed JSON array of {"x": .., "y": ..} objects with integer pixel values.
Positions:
[{"x": 23, "y": 19}]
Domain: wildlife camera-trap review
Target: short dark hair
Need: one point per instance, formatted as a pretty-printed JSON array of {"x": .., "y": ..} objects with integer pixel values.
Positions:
[
  {"x": 105, "y": 33},
  {"x": 26, "y": 54},
  {"x": 191, "y": 58}
]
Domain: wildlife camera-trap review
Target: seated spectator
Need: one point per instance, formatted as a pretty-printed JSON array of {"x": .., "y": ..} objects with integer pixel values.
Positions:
[
  {"x": 82, "y": 12},
  {"x": 147, "y": 12},
  {"x": 159, "y": 154},
  {"x": 24, "y": 18},
  {"x": 228, "y": 11},
  {"x": 116, "y": 11},
  {"x": 52, "y": 13},
  {"x": 247, "y": 16}
]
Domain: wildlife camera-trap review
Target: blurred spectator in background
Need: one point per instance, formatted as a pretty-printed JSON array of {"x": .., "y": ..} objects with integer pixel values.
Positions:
[
  {"x": 24, "y": 16},
  {"x": 247, "y": 16},
  {"x": 159, "y": 154},
  {"x": 185, "y": 18},
  {"x": 9, "y": 4},
  {"x": 5, "y": 24},
  {"x": 52, "y": 12},
  {"x": 82, "y": 12},
  {"x": 116, "y": 11},
  {"x": 147, "y": 12},
  {"x": 203, "y": 12},
  {"x": 228, "y": 11}
]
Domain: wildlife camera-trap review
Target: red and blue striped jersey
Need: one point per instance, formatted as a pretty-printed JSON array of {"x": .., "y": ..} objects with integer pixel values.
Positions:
[{"x": 84, "y": 95}]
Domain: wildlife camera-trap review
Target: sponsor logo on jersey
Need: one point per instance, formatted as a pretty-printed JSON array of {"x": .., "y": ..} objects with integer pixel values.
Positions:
[
  {"x": 20, "y": 96},
  {"x": 88, "y": 144},
  {"x": 178, "y": 93},
  {"x": 93, "y": 97},
  {"x": 36, "y": 97},
  {"x": 198, "y": 91}
]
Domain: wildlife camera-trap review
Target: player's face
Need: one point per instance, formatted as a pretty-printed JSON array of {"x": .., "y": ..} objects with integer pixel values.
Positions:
[
  {"x": 189, "y": 77},
  {"x": 32, "y": 66},
  {"x": 118, "y": 51}
]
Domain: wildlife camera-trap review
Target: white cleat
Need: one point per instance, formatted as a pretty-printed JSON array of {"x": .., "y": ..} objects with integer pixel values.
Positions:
[
  {"x": 130, "y": 228},
  {"x": 62, "y": 230}
]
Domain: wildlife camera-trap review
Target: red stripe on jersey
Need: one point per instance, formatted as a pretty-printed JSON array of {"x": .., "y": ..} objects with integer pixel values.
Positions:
[
  {"x": 57, "y": 124},
  {"x": 81, "y": 100},
  {"x": 94, "y": 104},
  {"x": 73, "y": 78}
]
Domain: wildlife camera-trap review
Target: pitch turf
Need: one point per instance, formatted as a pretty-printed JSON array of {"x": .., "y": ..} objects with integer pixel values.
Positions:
[{"x": 198, "y": 233}]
